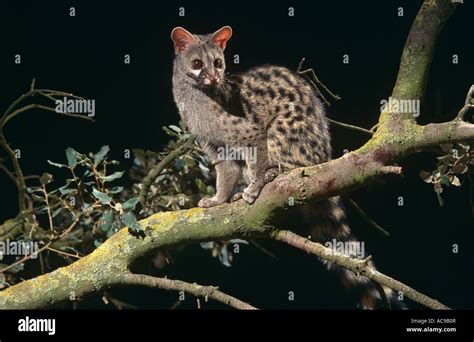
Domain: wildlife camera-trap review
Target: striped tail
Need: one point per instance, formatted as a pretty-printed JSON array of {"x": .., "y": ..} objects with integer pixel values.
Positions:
[{"x": 329, "y": 227}]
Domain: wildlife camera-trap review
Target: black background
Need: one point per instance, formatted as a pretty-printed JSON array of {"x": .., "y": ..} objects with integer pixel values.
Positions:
[{"x": 84, "y": 55}]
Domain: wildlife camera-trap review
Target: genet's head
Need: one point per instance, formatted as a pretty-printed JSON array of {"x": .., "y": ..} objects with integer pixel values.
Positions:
[{"x": 201, "y": 57}]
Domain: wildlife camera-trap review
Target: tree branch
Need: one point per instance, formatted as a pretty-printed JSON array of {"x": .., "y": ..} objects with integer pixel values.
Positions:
[
  {"x": 366, "y": 217},
  {"x": 355, "y": 128},
  {"x": 194, "y": 289},
  {"x": 358, "y": 266}
]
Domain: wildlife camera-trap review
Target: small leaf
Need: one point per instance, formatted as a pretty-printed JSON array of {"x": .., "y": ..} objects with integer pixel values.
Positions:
[
  {"x": 210, "y": 190},
  {"x": 175, "y": 128},
  {"x": 179, "y": 164},
  {"x": 446, "y": 148},
  {"x": 106, "y": 220},
  {"x": 99, "y": 156},
  {"x": 102, "y": 197},
  {"x": 32, "y": 190},
  {"x": 445, "y": 180},
  {"x": 71, "y": 157},
  {"x": 460, "y": 168},
  {"x": 203, "y": 167},
  {"x": 207, "y": 245},
  {"x": 116, "y": 189},
  {"x": 443, "y": 169},
  {"x": 56, "y": 164},
  {"x": 201, "y": 186},
  {"x": 455, "y": 181},
  {"x": 426, "y": 176},
  {"x": 37, "y": 198},
  {"x": 65, "y": 191},
  {"x": 46, "y": 178},
  {"x": 190, "y": 162},
  {"x": 224, "y": 257},
  {"x": 56, "y": 212},
  {"x": 238, "y": 241},
  {"x": 129, "y": 219},
  {"x": 169, "y": 131},
  {"x": 130, "y": 204},
  {"x": 112, "y": 177},
  {"x": 440, "y": 199}
]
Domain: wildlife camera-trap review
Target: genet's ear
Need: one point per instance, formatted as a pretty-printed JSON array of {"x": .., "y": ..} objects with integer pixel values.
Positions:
[
  {"x": 182, "y": 39},
  {"x": 221, "y": 36}
]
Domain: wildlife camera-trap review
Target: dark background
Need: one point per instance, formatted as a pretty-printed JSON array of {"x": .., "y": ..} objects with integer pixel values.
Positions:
[{"x": 84, "y": 55}]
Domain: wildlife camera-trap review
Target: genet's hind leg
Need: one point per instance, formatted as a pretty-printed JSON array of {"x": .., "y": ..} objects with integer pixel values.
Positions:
[
  {"x": 271, "y": 174},
  {"x": 256, "y": 169}
]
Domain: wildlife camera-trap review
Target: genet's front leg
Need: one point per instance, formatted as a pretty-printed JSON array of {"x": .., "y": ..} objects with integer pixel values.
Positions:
[{"x": 228, "y": 173}]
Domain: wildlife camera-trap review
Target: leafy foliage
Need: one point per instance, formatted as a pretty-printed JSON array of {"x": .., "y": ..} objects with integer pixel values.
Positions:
[
  {"x": 181, "y": 183},
  {"x": 452, "y": 165},
  {"x": 95, "y": 201}
]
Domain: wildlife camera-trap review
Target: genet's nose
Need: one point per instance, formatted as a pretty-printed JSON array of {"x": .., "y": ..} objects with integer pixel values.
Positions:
[{"x": 209, "y": 78}]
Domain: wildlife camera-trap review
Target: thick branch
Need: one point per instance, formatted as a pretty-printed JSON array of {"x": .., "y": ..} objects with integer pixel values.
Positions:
[
  {"x": 416, "y": 59},
  {"x": 419, "y": 48}
]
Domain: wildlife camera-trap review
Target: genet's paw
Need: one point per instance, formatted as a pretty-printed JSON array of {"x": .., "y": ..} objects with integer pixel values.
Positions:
[
  {"x": 237, "y": 196},
  {"x": 207, "y": 202},
  {"x": 251, "y": 192}
]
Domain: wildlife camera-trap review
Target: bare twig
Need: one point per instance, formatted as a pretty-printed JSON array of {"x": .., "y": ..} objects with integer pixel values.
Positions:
[
  {"x": 18, "y": 172},
  {"x": 263, "y": 249},
  {"x": 194, "y": 289},
  {"x": 312, "y": 79},
  {"x": 48, "y": 207},
  {"x": 358, "y": 266},
  {"x": 9, "y": 174},
  {"x": 355, "y": 128},
  {"x": 367, "y": 218},
  {"x": 118, "y": 303},
  {"x": 10, "y": 113},
  {"x": 64, "y": 253},
  {"x": 315, "y": 80},
  {"x": 45, "y": 247}
]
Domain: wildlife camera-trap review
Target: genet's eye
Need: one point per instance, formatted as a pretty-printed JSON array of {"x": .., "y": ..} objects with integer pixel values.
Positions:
[
  {"x": 218, "y": 63},
  {"x": 197, "y": 64}
]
